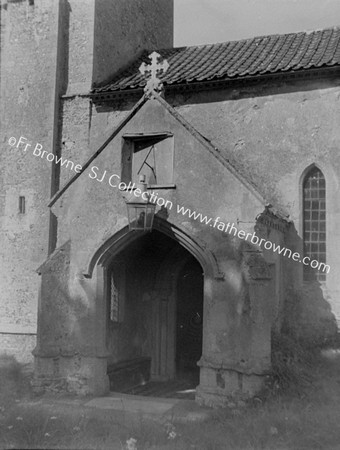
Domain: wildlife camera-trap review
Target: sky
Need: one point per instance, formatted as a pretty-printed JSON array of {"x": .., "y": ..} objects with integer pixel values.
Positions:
[{"x": 209, "y": 21}]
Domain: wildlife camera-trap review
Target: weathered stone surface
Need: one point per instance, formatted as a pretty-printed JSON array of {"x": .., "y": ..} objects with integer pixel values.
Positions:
[
  {"x": 271, "y": 133},
  {"x": 28, "y": 70},
  {"x": 49, "y": 48}
]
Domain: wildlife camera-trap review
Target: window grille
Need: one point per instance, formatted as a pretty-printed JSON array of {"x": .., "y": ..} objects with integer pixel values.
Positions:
[{"x": 314, "y": 221}]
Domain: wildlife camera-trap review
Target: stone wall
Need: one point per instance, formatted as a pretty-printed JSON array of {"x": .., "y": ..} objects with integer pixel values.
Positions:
[
  {"x": 19, "y": 345},
  {"x": 48, "y": 48},
  {"x": 28, "y": 69},
  {"x": 91, "y": 212},
  {"x": 116, "y": 32},
  {"x": 273, "y": 132}
]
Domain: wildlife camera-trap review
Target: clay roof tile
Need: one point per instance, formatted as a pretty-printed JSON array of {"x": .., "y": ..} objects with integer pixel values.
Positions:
[{"x": 236, "y": 59}]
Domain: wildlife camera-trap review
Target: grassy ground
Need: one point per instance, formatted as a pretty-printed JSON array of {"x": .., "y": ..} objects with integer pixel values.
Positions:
[{"x": 303, "y": 415}]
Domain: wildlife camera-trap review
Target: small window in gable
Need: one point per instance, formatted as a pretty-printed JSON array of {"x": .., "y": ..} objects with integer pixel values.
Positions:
[{"x": 151, "y": 155}]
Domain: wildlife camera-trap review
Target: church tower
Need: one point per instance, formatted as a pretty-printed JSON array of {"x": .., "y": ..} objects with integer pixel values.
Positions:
[{"x": 50, "y": 50}]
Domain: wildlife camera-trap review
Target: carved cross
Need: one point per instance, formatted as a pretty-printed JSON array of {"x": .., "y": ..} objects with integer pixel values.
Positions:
[{"x": 151, "y": 72}]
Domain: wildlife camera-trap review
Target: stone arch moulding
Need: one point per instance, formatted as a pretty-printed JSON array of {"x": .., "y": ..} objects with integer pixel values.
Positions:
[
  {"x": 123, "y": 237},
  {"x": 326, "y": 169},
  {"x": 305, "y": 171}
]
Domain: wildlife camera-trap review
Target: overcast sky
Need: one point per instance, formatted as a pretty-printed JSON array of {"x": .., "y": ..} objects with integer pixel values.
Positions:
[{"x": 209, "y": 21}]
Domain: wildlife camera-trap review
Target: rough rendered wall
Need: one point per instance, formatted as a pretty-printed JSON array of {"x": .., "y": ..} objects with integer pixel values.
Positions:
[
  {"x": 99, "y": 210},
  {"x": 90, "y": 205},
  {"x": 79, "y": 16},
  {"x": 91, "y": 211},
  {"x": 18, "y": 345},
  {"x": 131, "y": 26},
  {"x": 27, "y": 94},
  {"x": 273, "y": 132}
]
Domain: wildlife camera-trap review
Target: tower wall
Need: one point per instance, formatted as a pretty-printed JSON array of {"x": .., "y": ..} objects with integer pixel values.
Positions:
[
  {"x": 105, "y": 36},
  {"x": 28, "y": 80},
  {"x": 50, "y": 48}
]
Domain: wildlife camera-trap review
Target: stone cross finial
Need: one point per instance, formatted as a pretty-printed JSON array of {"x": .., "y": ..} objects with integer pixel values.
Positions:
[{"x": 151, "y": 72}]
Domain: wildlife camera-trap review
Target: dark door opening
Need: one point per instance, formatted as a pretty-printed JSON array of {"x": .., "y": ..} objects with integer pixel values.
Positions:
[
  {"x": 189, "y": 321},
  {"x": 155, "y": 318}
]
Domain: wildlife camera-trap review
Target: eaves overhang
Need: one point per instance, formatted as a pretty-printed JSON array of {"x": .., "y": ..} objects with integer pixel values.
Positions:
[{"x": 229, "y": 83}]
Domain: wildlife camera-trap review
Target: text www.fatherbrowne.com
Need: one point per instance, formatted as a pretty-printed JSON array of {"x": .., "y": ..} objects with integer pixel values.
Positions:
[
  {"x": 230, "y": 228},
  {"x": 112, "y": 180}
]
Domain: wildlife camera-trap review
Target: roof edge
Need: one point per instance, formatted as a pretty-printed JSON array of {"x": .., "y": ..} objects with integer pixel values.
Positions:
[
  {"x": 214, "y": 84},
  {"x": 117, "y": 129}
]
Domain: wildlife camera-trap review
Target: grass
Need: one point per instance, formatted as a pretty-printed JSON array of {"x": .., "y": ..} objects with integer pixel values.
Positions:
[{"x": 299, "y": 410}]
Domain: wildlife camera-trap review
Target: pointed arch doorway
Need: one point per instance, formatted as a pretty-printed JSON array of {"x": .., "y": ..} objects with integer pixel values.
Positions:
[{"x": 154, "y": 303}]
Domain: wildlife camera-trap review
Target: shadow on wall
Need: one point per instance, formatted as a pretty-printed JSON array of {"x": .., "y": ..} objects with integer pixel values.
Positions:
[
  {"x": 65, "y": 319},
  {"x": 14, "y": 379},
  {"x": 307, "y": 314}
]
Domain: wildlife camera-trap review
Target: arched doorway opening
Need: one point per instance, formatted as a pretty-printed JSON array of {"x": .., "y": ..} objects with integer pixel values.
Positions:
[{"x": 154, "y": 292}]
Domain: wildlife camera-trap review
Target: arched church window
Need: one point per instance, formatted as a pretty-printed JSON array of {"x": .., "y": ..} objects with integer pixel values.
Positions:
[{"x": 314, "y": 221}]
